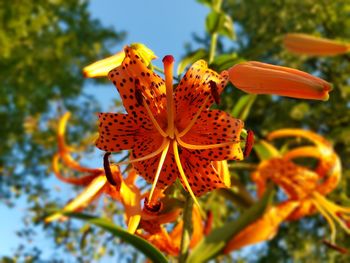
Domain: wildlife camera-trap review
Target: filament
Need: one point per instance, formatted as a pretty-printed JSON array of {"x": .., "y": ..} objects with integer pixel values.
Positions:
[
  {"x": 183, "y": 176},
  {"x": 203, "y": 147},
  {"x": 331, "y": 209},
  {"x": 194, "y": 119},
  {"x": 148, "y": 156},
  {"x": 328, "y": 218},
  {"x": 159, "y": 169},
  {"x": 154, "y": 121}
]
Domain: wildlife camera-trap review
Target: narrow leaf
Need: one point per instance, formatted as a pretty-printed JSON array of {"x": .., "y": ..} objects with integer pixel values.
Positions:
[
  {"x": 216, "y": 241},
  {"x": 190, "y": 59},
  {"x": 243, "y": 106},
  {"x": 224, "y": 61},
  {"x": 142, "y": 245},
  {"x": 219, "y": 22},
  {"x": 265, "y": 150}
]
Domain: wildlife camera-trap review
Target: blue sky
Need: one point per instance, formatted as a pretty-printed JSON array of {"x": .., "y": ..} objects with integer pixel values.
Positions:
[{"x": 163, "y": 25}]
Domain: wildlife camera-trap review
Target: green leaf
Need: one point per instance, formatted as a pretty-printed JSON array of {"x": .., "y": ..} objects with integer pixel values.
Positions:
[
  {"x": 243, "y": 106},
  {"x": 225, "y": 61},
  {"x": 216, "y": 241},
  {"x": 265, "y": 150},
  {"x": 190, "y": 59},
  {"x": 142, "y": 245},
  {"x": 219, "y": 22}
]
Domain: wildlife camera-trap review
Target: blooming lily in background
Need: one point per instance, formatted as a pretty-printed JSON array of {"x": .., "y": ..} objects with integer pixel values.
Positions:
[
  {"x": 305, "y": 188},
  {"x": 314, "y": 46},
  {"x": 96, "y": 183}
]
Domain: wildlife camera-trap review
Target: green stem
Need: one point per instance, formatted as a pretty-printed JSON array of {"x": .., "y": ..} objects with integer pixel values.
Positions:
[
  {"x": 214, "y": 36},
  {"x": 186, "y": 230},
  {"x": 213, "y": 43}
]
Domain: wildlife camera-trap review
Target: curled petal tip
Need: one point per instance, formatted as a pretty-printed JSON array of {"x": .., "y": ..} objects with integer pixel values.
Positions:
[
  {"x": 102, "y": 67},
  {"x": 262, "y": 78}
]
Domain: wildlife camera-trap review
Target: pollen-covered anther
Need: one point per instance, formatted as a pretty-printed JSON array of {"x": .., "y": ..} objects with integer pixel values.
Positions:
[
  {"x": 108, "y": 171},
  {"x": 152, "y": 208},
  {"x": 249, "y": 143},
  {"x": 214, "y": 91}
]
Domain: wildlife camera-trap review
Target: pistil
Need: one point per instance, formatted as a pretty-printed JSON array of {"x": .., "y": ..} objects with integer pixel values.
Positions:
[{"x": 168, "y": 62}]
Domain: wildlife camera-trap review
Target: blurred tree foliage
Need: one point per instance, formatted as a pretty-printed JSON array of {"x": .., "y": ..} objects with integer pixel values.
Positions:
[{"x": 43, "y": 47}]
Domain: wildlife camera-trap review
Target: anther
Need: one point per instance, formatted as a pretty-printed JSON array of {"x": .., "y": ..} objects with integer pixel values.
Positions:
[
  {"x": 248, "y": 143},
  {"x": 152, "y": 208},
  {"x": 108, "y": 171},
  {"x": 341, "y": 250},
  {"x": 214, "y": 91}
]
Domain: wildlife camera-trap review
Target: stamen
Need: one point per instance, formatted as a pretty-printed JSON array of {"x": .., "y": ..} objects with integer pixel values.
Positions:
[
  {"x": 328, "y": 218},
  {"x": 159, "y": 169},
  {"x": 327, "y": 205},
  {"x": 168, "y": 62},
  {"x": 249, "y": 143},
  {"x": 194, "y": 119},
  {"x": 152, "y": 208},
  {"x": 203, "y": 147},
  {"x": 141, "y": 101},
  {"x": 335, "y": 247},
  {"x": 108, "y": 172},
  {"x": 214, "y": 91},
  {"x": 148, "y": 156},
  {"x": 183, "y": 176}
]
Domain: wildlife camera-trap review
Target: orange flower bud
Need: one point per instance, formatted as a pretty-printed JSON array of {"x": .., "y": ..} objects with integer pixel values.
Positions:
[
  {"x": 313, "y": 46},
  {"x": 261, "y": 78}
]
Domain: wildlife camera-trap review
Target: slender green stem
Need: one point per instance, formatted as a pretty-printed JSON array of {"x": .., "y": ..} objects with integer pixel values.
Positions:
[
  {"x": 213, "y": 43},
  {"x": 214, "y": 36},
  {"x": 186, "y": 230}
]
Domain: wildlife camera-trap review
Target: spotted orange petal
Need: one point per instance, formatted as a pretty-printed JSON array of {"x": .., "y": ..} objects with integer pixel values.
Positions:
[
  {"x": 201, "y": 174},
  {"x": 151, "y": 85},
  {"x": 147, "y": 168},
  {"x": 215, "y": 127},
  {"x": 119, "y": 132},
  {"x": 194, "y": 89}
]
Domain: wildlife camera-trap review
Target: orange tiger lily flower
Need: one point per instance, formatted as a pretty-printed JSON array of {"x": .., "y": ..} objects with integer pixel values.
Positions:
[
  {"x": 304, "y": 185},
  {"x": 313, "y": 46},
  {"x": 171, "y": 133},
  {"x": 265, "y": 228},
  {"x": 96, "y": 183},
  {"x": 261, "y": 78}
]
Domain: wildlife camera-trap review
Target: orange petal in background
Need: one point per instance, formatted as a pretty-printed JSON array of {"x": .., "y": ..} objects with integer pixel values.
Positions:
[
  {"x": 262, "y": 229},
  {"x": 313, "y": 46}
]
